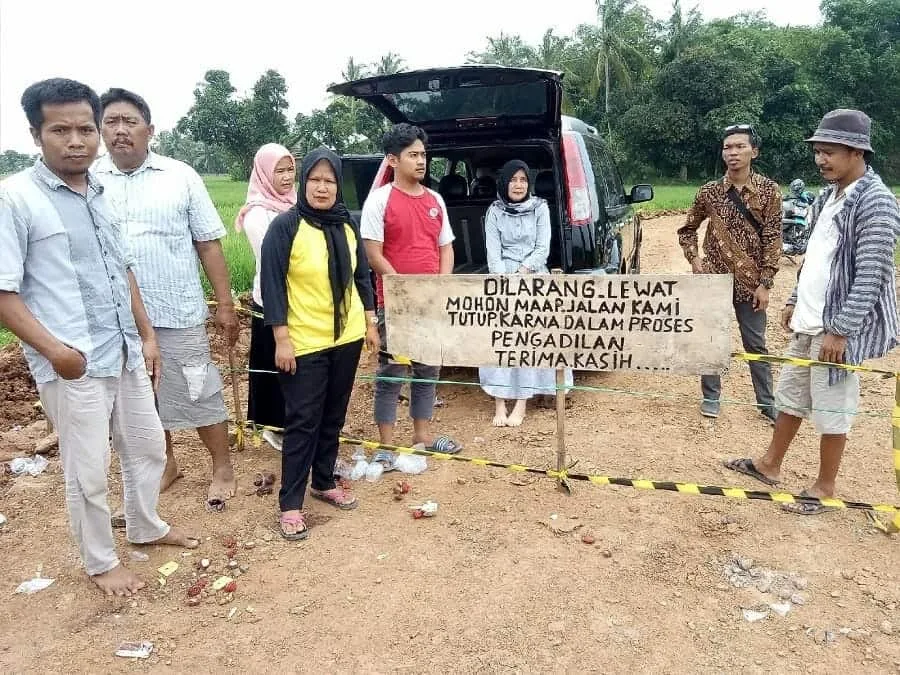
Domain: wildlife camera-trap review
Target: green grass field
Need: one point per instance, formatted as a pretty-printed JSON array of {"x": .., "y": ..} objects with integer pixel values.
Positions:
[
  {"x": 669, "y": 197},
  {"x": 229, "y": 196}
]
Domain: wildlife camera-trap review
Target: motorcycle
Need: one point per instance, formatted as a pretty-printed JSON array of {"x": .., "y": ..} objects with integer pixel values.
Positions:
[{"x": 794, "y": 226}]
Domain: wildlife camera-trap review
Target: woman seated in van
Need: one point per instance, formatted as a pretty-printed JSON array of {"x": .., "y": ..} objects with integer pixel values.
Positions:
[
  {"x": 517, "y": 234},
  {"x": 270, "y": 192},
  {"x": 320, "y": 305}
]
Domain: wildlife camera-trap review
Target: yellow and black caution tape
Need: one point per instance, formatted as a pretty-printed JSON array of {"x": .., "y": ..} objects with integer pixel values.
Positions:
[
  {"x": 685, "y": 488},
  {"x": 637, "y": 483},
  {"x": 807, "y": 363}
]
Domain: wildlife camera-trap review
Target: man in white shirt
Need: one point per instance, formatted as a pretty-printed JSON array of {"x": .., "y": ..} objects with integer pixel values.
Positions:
[
  {"x": 172, "y": 225},
  {"x": 844, "y": 308}
]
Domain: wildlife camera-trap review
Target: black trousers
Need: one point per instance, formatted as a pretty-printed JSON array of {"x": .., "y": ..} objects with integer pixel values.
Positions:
[
  {"x": 265, "y": 404},
  {"x": 316, "y": 399},
  {"x": 753, "y": 336}
]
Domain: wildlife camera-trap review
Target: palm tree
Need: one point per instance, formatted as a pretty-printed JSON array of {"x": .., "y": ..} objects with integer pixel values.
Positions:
[
  {"x": 680, "y": 33},
  {"x": 389, "y": 64},
  {"x": 562, "y": 53},
  {"x": 353, "y": 71},
  {"x": 614, "y": 48},
  {"x": 553, "y": 52},
  {"x": 506, "y": 50}
]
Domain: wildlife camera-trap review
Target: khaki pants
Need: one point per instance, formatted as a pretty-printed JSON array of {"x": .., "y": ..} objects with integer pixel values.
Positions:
[
  {"x": 806, "y": 393},
  {"x": 83, "y": 412}
]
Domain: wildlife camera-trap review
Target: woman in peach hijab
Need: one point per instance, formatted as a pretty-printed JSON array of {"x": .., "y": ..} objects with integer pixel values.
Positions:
[{"x": 271, "y": 191}]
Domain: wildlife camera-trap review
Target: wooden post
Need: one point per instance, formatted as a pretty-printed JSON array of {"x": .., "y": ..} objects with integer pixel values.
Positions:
[
  {"x": 561, "y": 421},
  {"x": 238, "y": 411}
]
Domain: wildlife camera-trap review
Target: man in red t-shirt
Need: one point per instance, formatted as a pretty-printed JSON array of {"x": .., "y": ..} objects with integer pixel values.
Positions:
[{"x": 406, "y": 230}]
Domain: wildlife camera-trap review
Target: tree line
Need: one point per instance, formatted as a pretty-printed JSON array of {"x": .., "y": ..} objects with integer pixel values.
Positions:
[{"x": 660, "y": 91}]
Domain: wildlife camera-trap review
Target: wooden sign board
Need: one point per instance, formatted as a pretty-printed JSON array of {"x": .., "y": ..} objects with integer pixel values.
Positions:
[{"x": 675, "y": 323}]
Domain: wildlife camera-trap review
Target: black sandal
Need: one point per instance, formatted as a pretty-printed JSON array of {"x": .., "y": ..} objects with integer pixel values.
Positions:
[
  {"x": 806, "y": 508},
  {"x": 746, "y": 467}
]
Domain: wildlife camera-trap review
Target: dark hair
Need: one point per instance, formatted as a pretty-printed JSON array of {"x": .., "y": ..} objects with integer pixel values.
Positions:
[
  {"x": 401, "y": 136},
  {"x": 868, "y": 156},
  {"x": 755, "y": 140},
  {"x": 56, "y": 91},
  {"x": 117, "y": 95}
]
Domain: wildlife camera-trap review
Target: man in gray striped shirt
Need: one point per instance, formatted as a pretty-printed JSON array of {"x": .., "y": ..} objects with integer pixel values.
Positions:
[
  {"x": 844, "y": 307},
  {"x": 172, "y": 225}
]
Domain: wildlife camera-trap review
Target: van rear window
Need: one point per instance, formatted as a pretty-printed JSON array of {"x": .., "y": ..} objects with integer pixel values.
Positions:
[{"x": 498, "y": 100}]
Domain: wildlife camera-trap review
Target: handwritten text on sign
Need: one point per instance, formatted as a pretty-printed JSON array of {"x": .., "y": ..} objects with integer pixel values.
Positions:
[{"x": 669, "y": 323}]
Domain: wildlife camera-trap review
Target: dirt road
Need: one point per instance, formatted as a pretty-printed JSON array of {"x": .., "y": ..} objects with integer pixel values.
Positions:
[{"x": 486, "y": 585}]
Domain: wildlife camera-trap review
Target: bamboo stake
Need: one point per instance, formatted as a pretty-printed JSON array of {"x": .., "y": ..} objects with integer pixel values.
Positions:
[{"x": 238, "y": 411}]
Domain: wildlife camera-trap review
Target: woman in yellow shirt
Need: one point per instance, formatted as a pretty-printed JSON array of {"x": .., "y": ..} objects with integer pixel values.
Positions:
[{"x": 318, "y": 299}]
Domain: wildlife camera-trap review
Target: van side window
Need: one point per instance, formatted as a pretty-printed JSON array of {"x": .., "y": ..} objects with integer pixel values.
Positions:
[
  {"x": 606, "y": 175},
  {"x": 460, "y": 168},
  {"x": 437, "y": 167},
  {"x": 358, "y": 174}
]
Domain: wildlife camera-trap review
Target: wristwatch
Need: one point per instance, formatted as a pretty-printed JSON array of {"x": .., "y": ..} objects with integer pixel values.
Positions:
[
  {"x": 373, "y": 320},
  {"x": 767, "y": 283}
]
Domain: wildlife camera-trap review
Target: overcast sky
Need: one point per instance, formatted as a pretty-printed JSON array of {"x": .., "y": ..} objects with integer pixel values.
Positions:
[{"x": 162, "y": 48}]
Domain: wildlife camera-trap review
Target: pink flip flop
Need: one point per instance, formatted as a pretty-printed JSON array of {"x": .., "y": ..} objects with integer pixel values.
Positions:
[{"x": 337, "y": 497}]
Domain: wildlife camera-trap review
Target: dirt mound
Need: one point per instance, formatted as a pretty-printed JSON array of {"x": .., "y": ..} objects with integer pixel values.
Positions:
[{"x": 17, "y": 390}]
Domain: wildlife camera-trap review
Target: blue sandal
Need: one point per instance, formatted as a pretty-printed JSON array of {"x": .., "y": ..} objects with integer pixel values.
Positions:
[
  {"x": 445, "y": 445},
  {"x": 386, "y": 458}
]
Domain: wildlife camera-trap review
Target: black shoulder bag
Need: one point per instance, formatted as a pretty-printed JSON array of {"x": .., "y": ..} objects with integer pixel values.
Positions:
[{"x": 740, "y": 206}]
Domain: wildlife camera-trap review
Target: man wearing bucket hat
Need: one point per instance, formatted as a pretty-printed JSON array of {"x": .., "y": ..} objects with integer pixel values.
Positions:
[{"x": 844, "y": 306}]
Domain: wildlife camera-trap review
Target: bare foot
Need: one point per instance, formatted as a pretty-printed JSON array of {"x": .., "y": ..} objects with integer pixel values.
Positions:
[
  {"x": 517, "y": 416},
  {"x": 223, "y": 485},
  {"x": 119, "y": 581},
  {"x": 170, "y": 475},
  {"x": 499, "y": 413},
  {"x": 175, "y": 537}
]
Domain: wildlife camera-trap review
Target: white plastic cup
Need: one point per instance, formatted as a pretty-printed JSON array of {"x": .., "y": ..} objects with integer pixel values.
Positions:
[
  {"x": 359, "y": 470},
  {"x": 412, "y": 464},
  {"x": 374, "y": 471}
]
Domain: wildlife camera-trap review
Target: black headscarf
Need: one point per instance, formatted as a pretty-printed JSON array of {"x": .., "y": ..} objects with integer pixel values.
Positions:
[
  {"x": 331, "y": 222},
  {"x": 505, "y": 176}
]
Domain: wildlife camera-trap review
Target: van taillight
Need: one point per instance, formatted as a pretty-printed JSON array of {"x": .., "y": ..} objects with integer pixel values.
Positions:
[{"x": 579, "y": 198}]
